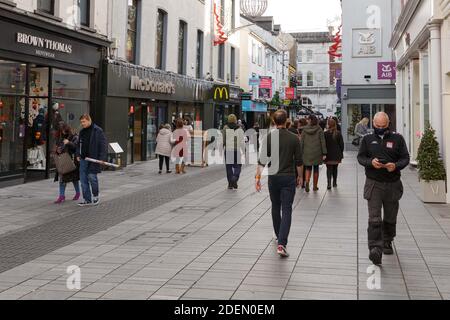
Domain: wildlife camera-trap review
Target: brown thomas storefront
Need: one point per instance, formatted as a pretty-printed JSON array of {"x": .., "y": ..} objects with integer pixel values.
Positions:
[{"x": 48, "y": 75}]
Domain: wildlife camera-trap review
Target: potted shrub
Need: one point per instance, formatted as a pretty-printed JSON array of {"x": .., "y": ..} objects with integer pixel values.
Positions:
[{"x": 431, "y": 169}]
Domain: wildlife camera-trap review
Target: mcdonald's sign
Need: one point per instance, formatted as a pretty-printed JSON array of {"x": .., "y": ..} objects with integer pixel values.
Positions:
[{"x": 221, "y": 93}]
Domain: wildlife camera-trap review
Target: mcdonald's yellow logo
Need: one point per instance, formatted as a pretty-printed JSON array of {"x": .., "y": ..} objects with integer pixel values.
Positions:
[{"x": 222, "y": 93}]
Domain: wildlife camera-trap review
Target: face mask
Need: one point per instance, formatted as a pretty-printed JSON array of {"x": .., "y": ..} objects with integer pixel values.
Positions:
[{"x": 381, "y": 131}]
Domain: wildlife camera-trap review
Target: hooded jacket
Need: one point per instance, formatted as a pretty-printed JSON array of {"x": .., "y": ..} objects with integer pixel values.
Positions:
[
  {"x": 164, "y": 143},
  {"x": 313, "y": 145}
]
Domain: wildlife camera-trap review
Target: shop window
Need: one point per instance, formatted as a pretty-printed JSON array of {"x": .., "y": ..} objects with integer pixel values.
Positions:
[
  {"x": 12, "y": 77},
  {"x": 12, "y": 133},
  {"x": 70, "y": 85},
  {"x": 46, "y": 6}
]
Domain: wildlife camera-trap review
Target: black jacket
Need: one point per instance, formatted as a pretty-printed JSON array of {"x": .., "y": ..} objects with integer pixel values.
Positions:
[
  {"x": 391, "y": 149},
  {"x": 98, "y": 148},
  {"x": 335, "y": 146}
]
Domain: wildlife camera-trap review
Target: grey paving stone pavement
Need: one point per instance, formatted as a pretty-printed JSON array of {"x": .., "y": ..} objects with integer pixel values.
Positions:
[{"x": 166, "y": 237}]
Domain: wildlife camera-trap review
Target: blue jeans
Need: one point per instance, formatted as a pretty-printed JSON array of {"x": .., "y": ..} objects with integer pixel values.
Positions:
[
  {"x": 282, "y": 194},
  {"x": 88, "y": 181},
  {"x": 232, "y": 159},
  {"x": 62, "y": 188}
]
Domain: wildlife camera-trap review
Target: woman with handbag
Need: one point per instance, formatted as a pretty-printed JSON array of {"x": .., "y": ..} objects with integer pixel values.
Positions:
[{"x": 68, "y": 168}]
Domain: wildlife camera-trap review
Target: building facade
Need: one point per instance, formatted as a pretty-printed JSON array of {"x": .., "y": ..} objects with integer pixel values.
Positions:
[
  {"x": 317, "y": 72},
  {"x": 164, "y": 65},
  {"x": 264, "y": 67},
  {"x": 51, "y": 55},
  {"x": 421, "y": 43},
  {"x": 368, "y": 74}
]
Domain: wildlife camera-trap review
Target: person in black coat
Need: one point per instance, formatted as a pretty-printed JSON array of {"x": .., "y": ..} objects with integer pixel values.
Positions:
[
  {"x": 335, "y": 148},
  {"x": 66, "y": 142},
  {"x": 93, "y": 145}
]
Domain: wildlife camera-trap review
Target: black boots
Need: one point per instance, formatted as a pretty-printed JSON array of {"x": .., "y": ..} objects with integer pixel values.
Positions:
[{"x": 376, "y": 256}]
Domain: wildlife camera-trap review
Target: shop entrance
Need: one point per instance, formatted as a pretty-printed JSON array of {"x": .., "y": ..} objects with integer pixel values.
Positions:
[{"x": 356, "y": 112}]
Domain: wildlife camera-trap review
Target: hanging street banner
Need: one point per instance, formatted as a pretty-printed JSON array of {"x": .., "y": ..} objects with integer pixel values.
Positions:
[
  {"x": 265, "y": 88},
  {"x": 290, "y": 93}
]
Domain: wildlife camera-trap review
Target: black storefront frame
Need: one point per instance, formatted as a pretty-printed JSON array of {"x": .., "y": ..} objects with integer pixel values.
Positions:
[{"x": 90, "y": 47}]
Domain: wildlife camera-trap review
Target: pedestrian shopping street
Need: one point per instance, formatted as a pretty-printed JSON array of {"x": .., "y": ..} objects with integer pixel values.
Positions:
[{"x": 169, "y": 237}]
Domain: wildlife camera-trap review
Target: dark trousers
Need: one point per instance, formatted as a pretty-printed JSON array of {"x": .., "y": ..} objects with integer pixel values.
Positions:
[
  {"x": 332, "y": 173},
  {"x": 161, "y": 162},
  {"x": 282, "y": 194},
  {"x": 382, "y": 197},
  {"x": 233, "y": 166}
]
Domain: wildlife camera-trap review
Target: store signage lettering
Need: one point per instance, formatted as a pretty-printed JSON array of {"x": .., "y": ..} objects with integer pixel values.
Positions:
[
  {"x": 138, "y": 84},
  {"x": 44, "y": 44}
]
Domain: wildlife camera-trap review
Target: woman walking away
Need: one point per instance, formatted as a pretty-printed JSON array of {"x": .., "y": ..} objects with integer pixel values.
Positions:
[
  {"x": 335, "y": 148},
  {"x": 361, "y": 130},
  {"x": 66, "y": 143},
  {"x": 180, "y": 151},
  {"x": 314, "y": 151},
  {"x": 164, "y": 147}
]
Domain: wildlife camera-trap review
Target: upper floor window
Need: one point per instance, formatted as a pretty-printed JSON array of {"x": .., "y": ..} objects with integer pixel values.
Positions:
[
  {"x": 300, "y": 79},
  {"x": 47, "y": 6},
  {"x": 233, "y": 65},
  {"x": 260, "y": 56},
  {"x": 310, "y": 79},
  {"x": 182, "y": 38},
  {"x": 254, "y": 58},
  {"x": 132, "y": 31},
  {"x": 85, "y": 10},
  {"x": 161, "y": 27},
  {"x": 199, "y": 58},
  {"x": 300, "y": 56},
  {"x": 309, "y": 56},
  {"x": 221, "y": 65}
]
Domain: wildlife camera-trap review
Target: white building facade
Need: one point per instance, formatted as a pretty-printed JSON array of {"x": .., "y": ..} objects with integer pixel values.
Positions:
[
  {"x": 315, "y": 79},
  {"x": 367, "y": 29},
  {"x": 421, "y": 43}
]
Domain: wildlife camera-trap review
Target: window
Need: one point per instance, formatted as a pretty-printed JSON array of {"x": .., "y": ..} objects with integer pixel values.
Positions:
[
  {"x": 310, "y": 79},
  {"x": 309, "y": 55},
  {"x": 85, "y": 10},
  {"x": 132, "y": 31},
  {"x": 221, "y": 65},
  {"x": 233, "y": 65},
  {"x": 233, "y": 14},
  {"x": 47, "y": 6},
  {"x": 260, "y": 56},
  {"x": 306, "y": 102},
  {"x": 300, "y": 56},
  {"x": 222, "y": 11},
  {"x": 268, "y": 62},
  {"x": 199, "y": 58},
  {"x": 161, "y": 23},
  {"x": 253, "y": 52},
  {"x": 300, "y": 79},
  {"x": 182, "y": 37}
]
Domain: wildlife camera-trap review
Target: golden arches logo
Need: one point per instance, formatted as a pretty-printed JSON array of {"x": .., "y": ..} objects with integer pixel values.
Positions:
[{"x": 221, "y": 92}]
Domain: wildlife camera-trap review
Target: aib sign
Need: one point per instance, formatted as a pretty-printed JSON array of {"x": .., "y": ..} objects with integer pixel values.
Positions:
[{"x": 387, "y": 71}]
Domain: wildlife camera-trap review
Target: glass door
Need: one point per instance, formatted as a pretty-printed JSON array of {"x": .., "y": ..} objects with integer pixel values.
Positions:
[
  {"x": 152, "y": 131},
  {"x": 138, "y": 133}
]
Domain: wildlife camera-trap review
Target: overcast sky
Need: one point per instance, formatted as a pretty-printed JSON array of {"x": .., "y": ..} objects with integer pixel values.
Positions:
[{"x": 304, "y": 15}]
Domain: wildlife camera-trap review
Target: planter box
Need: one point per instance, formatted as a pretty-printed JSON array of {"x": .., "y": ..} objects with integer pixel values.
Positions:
[{"x": 433, "y": 191}]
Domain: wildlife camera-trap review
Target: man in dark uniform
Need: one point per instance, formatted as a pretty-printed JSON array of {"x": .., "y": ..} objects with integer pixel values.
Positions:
[{"x": 384, "y": 154}]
